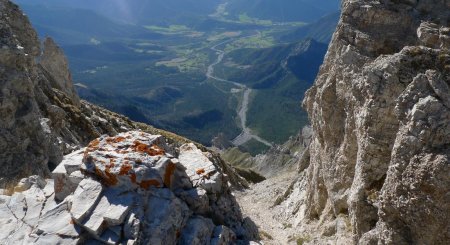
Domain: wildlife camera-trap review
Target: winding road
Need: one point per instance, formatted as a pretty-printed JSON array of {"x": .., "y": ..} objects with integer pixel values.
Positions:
[{"x": 246, "y": 134}]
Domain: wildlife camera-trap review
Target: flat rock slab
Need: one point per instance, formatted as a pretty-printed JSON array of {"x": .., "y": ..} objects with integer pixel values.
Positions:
[
  {"x": 84, "y": 199},
  {"x": 58, "y": 221},
  {"x": 64, "y": 184},
  {"x": 198, "y": 167},
  {"x": 111, "y": 211}
]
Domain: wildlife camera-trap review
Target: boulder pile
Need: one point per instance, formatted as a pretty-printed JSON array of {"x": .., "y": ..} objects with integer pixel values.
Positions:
[{"x": 129, "y": 189}]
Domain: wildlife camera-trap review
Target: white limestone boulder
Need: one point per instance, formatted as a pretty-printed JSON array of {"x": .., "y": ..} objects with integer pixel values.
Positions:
[{"x": 84, "y": 199}]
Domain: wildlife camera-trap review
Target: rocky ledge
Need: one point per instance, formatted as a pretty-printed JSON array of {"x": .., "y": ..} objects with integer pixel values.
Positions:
[{"x": 129, "y": 189}]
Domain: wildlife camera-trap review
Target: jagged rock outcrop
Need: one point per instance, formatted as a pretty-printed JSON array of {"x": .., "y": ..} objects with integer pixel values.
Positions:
[
  {"x": 42, "y": 117},
  {"x": 133, "y": 188},
  {"x": 380, "y": 113}
]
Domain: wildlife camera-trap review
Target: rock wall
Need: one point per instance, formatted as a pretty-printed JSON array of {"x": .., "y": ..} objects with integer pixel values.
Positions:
[
  {"x": 380, "y": 111},
  {"x": 42, "y": 116}
]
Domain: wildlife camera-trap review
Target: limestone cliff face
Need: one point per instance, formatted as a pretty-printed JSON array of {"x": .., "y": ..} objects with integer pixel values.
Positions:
[{"x": 380, "y": 111}]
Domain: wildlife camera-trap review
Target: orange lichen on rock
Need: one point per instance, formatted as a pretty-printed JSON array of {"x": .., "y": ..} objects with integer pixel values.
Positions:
[
  {"x": 170, "y": 169},
  {"x": 153, "y": 150},
  {"x": 111, "y": 140},
  {"x": 107, "y": 178},
  {"x": 145, "y": 184},
  {"x": 125, "y": 169},
  {"x": 93, "y": 146},
  {"x": 200, "y": 171}
]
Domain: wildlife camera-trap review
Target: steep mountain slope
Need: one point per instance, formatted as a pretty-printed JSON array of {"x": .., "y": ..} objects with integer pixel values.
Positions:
[
  {"x": 69, "y": 25},
  {"x": 282, "y": 10},
  {"x": 381, "y": 116},
  {"x": 321, "y": 30},
  {"x": 275, "y": 161},
  {"x": 380, "y": 109},
  {"x": 277, "y": 74},
  {"x": 43, "y": 115},
  {"x": 141, "y": 186},
  {"x": 141, "y": 12}
]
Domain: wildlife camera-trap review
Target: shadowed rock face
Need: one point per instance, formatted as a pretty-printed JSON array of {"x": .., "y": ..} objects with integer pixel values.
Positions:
[{"x": 381, "y": 116}]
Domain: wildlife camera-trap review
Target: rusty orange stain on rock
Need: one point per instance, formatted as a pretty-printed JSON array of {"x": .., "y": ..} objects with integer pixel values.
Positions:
[
  {"x": 170, "y": 169},
  {"x": 107, "y": 178},
  {"x": 145, "y": 184},
  {"x": 93, "y": 146},
  {"x": 125, "y": 169},
  {"x": 158, "y": 150},
  {"x": 118, "y": 139},
  {"x": 200, "y": 171},
  {"x": 154, "y": 150}
]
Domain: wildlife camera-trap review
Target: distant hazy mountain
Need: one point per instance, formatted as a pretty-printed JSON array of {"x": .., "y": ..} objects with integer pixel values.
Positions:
[
  {"x": 70, "y": 25},
  {"x": 140, "y": 11},
  {"x": 283, "y": 10},
  {"x": 321, "y": 30}
]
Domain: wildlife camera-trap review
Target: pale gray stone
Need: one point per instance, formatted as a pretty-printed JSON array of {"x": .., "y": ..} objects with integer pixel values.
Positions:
[
  {"x": 58, "y": 221},
  {"x": 84, "y": 199},
  {"x": 111, "y": 211},
  {"x": 378, "y": 113},
  {"x": 198, "y": 166}
]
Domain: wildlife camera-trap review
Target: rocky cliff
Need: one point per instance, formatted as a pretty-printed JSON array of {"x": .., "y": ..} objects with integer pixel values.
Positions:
[
  {"x": 42, "y": 116},
  {"x": 380, "y": 111}
]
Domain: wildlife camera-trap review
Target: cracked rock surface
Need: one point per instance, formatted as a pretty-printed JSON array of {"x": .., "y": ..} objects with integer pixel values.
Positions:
[
  {"x": 134, "y": 189},
  {"x": 379, "y": 109}
]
